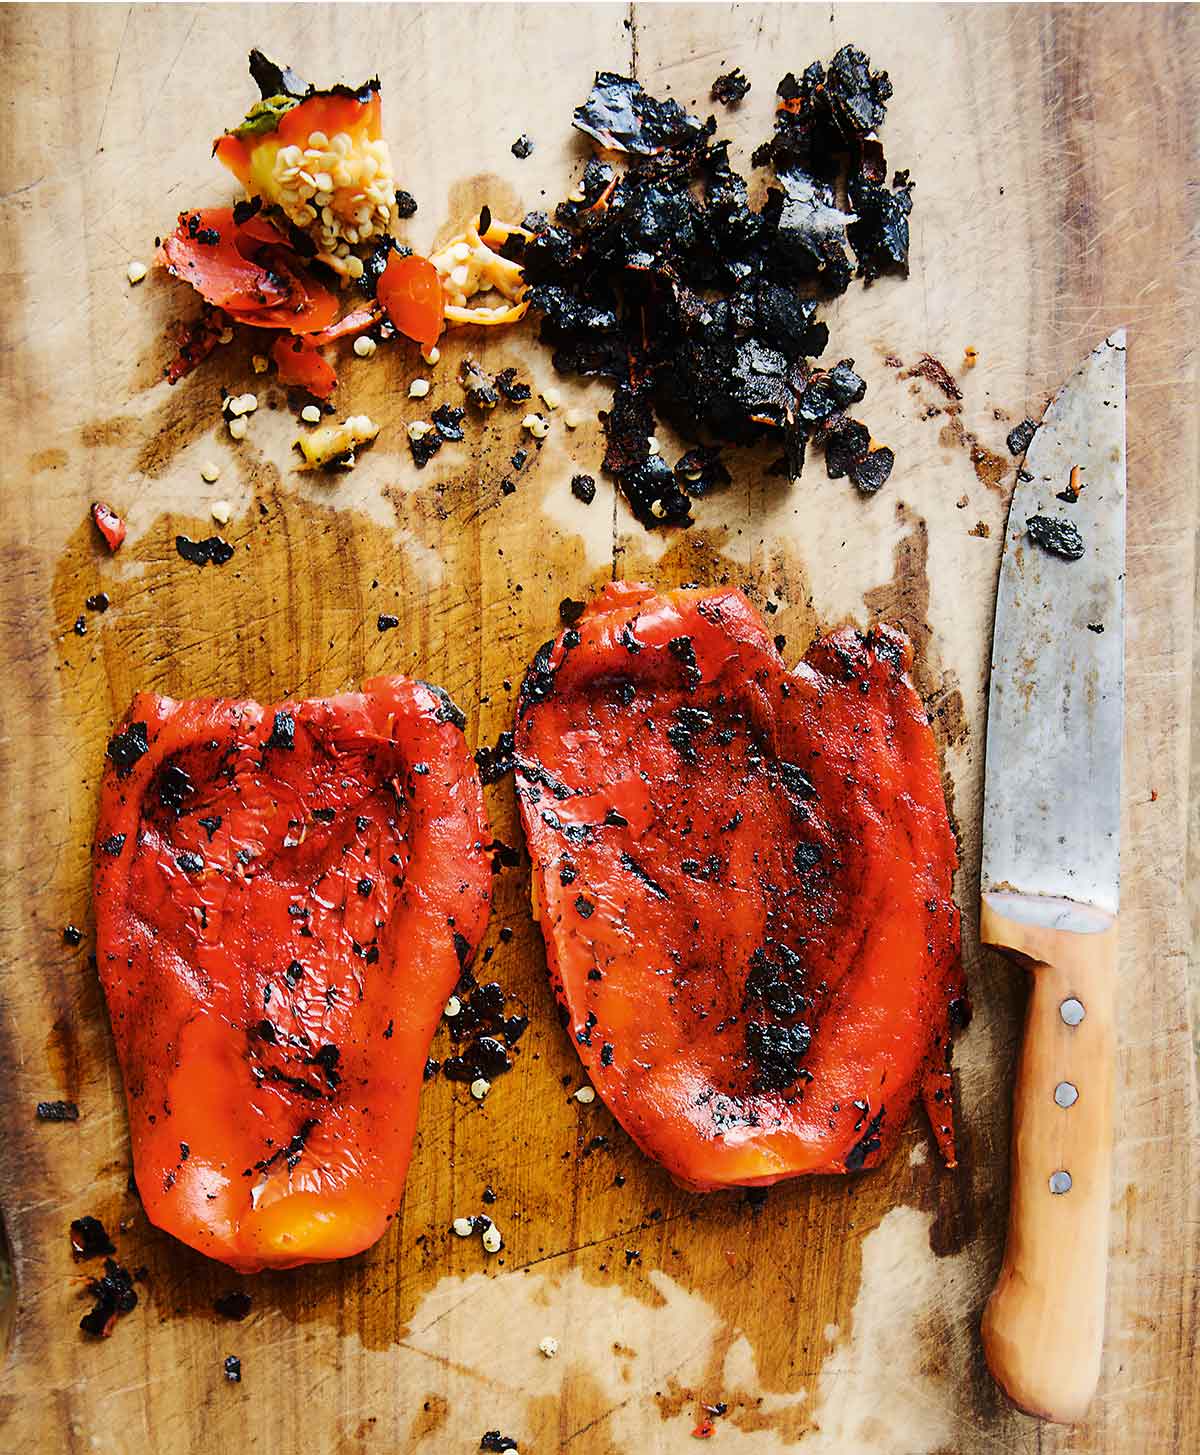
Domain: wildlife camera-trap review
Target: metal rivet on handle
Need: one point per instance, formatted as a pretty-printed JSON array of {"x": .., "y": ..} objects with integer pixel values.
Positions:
[
  {"x": 1072, "y": 1011},
  {"x": 1065, "y": 1094},
  {"x": 1060, "y": 1182}
]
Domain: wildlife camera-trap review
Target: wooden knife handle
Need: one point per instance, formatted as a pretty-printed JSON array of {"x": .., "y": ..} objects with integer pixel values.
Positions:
[{"x": 1043, "y": 1327}]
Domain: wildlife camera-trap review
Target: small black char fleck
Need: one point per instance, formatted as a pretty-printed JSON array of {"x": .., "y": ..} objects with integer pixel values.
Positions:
[
  {"x": 200, "y": 553},
  {"x": 796, "y": 781},
  {"x": 730, "y": 88},
  {"x": 633, "y": 867},
  {"x": 283, "y": 732},
  {"x": 57, "y": 1111},
  {"x": 1020, "y": 436},
  {"x": 233, "y": 1369},
  {"x": 869, "y": 474},
  {"x": 1058, "y": 537},
  {"x": 447, "y": 709},
  {"x": 385, "y": 623},
  {"x": 495, "y": 763},
  {"x": 89, "y": 1239},
  {"x": 867, "y": 1144},
  {"x": 174, "y": 787},
  {"x": 516, "y": 391},
  {"x": 114, "y": 1294},
  {"x": 448, "y": 422},
  {"x": 127, "y": 747}
]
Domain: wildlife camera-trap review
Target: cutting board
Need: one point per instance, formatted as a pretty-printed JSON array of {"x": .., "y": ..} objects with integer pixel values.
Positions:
[{"x": 1051, "y": 150}]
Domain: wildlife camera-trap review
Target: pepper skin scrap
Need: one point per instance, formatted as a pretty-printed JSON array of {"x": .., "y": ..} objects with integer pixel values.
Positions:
[
  {"x": 272, "y": 1020},
  {"x": 744, "y": 877}
]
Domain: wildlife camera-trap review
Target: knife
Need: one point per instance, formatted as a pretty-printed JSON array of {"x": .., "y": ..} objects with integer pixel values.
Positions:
[{"x": 1049, "y": 884}]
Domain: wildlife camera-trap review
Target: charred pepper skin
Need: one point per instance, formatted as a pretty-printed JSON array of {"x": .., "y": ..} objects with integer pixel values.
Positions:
[
  {"x": 744, "y": 878},
  {"x": 272, "y": 1020}
]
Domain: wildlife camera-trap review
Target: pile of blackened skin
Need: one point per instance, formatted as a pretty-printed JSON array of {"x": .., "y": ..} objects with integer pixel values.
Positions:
[{"x": 701, "y": 308}]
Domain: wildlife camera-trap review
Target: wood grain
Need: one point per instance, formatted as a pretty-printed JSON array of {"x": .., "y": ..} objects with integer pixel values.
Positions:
[{"x": 1052, "y": 149}]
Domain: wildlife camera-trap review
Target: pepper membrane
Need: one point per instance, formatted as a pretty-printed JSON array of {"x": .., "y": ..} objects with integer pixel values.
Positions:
[
  {"x": 285, "y": 898},
  {"x": 744, "y": 877}
]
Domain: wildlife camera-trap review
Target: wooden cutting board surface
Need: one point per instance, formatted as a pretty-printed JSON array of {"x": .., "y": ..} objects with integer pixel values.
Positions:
[{"x": 1052, "y": 149}]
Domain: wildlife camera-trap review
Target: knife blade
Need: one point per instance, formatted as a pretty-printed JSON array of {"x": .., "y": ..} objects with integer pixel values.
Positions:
[
  {"x": 1052, "y": 793},
  {"x": 1050, "y": 880}
]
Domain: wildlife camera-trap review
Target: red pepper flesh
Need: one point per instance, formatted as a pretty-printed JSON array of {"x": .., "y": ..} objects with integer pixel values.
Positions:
[
  {"x": 302, "y": 366},
  {"x": 299, "y": 364},
  {"x": 109, "y": 524},
  {"x": 248, "y": 269},
  {"x": 285, "y": 898},
  {"x": 744, "y": 877},
  {"x": 411, "y": 293}
]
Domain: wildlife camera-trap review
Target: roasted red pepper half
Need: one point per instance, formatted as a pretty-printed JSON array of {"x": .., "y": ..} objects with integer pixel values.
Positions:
[
  {"x": 285, "y": 898},
  {"x": 247, "y": 269},
  {"x": 744, "y": 880}
]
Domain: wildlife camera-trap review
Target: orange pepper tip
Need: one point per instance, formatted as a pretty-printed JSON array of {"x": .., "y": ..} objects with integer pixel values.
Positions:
[
  {"x": 231, "y": 152},
  {"x": 308, "y": 1227}
]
